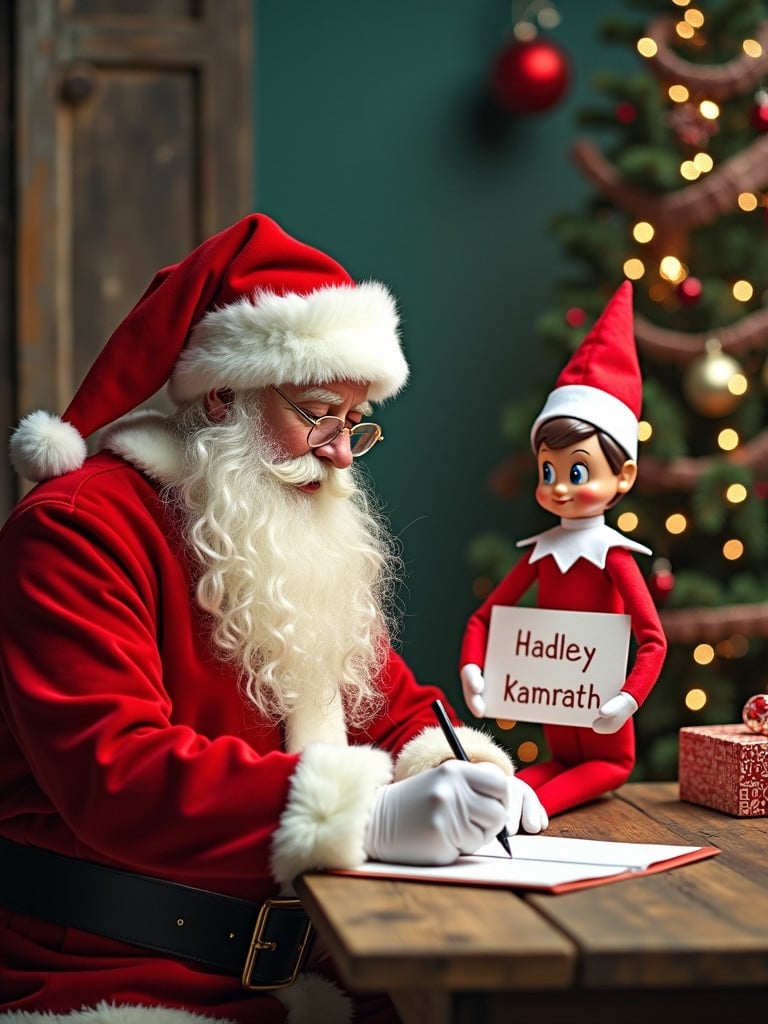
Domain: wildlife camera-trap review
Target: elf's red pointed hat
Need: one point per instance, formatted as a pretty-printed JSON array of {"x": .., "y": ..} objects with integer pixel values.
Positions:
[
  {"x": 250, "y": 307},
  {"x": 601, "y": 384}
]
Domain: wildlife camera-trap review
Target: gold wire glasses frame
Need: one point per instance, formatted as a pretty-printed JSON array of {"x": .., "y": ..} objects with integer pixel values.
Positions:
[{"x": 325, "y": 430}]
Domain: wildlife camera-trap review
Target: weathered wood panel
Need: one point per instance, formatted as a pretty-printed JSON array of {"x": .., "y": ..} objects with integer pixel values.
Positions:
[{"x": 132, "y": 142}]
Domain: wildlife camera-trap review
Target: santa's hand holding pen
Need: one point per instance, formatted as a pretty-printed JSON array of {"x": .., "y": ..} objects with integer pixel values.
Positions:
[{"x": 455, "y": 808}]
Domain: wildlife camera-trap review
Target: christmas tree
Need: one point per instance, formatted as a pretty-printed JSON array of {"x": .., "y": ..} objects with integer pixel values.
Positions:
[{"x": 678, "y": 205}]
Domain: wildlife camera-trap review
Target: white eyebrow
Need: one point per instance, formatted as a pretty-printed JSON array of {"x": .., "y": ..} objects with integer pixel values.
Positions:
[{"x": 321, "y": 395}]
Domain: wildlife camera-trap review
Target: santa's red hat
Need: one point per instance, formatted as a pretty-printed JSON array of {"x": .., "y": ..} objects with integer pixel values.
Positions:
[
  {"x": 250, "y": 307},
  {"x": 601, "y": 383}
]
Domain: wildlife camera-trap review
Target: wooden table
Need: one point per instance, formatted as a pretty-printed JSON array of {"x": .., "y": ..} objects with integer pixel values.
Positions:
[{"x": 687, "y": 945}]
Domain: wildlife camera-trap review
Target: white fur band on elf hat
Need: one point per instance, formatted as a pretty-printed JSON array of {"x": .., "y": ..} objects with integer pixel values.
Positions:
[
  {"x": 250, "y": 307},
  {"x": 601, "y": 384}
]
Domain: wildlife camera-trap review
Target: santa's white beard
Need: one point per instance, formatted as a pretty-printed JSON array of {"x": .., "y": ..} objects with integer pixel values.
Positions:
[{"x": 296, "y": 583}]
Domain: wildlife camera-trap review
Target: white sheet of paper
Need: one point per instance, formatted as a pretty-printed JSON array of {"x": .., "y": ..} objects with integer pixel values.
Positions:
[
  {"x": 538, "y": 862},
  {"x": 553, "y": 666}
]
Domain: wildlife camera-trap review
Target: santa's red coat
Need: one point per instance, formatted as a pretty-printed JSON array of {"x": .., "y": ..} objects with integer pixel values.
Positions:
[{"x": 123, "y": 740}]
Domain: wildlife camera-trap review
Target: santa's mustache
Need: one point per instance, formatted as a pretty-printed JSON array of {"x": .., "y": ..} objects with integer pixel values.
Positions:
[
  {"x": 308, "y": 469},
  {"x": 304, "y": 469}
]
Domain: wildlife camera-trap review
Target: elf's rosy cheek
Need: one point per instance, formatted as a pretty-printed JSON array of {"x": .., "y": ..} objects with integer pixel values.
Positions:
[{"x": 588, "y": 494}]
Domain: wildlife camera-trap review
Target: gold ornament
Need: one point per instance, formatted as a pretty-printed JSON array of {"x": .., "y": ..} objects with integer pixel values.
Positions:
[{"x": 714, "y": 383}]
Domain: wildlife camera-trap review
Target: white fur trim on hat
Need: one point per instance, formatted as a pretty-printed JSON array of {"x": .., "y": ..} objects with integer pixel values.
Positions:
[
  {"x": 595, "y": 406},
  {"x": 334, "y": 333},
  {"x": 324, "y": 821},
  {"x": 44, "y": 445},
  {"x": 430, "y": 748}
]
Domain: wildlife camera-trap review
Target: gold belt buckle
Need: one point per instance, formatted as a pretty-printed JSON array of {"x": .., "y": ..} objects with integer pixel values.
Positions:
[{"x": 258, "y": 944}]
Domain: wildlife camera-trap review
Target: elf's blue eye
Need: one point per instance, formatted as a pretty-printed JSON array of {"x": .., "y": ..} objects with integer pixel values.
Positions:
[
  {"x": 579, "y": 473},
  {"x": 547, "y": 473}
]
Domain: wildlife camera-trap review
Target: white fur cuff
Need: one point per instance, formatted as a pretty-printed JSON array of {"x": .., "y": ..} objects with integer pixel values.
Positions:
[
  {"x": 430, "y": 748},
  {"x": 331, "y": 796}
]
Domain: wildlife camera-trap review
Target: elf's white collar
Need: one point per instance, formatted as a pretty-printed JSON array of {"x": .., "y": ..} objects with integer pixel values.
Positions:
[{"x": 580, "y": 538}]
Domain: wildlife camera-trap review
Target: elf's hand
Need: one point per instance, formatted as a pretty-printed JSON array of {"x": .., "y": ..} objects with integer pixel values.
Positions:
[
  {"x": 614, "y": 713},
  {"x": 525, "y": 813},
  {"x": 473, "y": 687}
]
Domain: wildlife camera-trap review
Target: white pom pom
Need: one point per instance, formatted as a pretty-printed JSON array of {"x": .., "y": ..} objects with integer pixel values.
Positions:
[{"x": 44, "y": 446}]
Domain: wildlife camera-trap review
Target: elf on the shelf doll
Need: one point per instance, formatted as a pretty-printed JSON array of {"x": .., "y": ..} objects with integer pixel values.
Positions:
[{"x": 585, "y": 440}]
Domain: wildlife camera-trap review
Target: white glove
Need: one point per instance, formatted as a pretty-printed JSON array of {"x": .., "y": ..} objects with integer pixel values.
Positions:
[
  {"x": 525, "y": 809},
  {"x": 473, "y": 685},
  {"x": 432, "y": 817},
  {"x": 614, "y": 713}
]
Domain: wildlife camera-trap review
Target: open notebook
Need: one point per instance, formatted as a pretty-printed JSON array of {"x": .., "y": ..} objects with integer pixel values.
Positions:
[{"x": 546, "y": 863}]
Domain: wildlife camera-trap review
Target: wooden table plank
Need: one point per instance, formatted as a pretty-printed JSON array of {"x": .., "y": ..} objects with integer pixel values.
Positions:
[
  {"x": 744, "y": 841},
  {"x": 705, "y": 924},
  {"x": 689, "y": 942},
  {"x": 434, "y": 937}
]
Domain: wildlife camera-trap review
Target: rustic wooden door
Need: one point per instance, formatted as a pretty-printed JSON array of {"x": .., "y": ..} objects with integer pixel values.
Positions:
[{"x": 132, "y": 142}]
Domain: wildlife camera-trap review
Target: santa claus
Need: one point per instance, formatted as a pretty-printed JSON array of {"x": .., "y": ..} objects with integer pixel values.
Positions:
[{"x": 198, "y": 695}]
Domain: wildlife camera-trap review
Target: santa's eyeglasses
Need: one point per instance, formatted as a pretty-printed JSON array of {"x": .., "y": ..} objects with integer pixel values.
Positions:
[{"x": 325, "y": 430}]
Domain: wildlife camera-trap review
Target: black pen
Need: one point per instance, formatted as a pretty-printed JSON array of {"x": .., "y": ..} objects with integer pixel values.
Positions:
[{"x": 460, "y": 754}]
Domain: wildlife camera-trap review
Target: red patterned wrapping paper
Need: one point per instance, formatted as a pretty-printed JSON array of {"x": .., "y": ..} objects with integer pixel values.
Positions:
[{"x": 724, "y": 767}]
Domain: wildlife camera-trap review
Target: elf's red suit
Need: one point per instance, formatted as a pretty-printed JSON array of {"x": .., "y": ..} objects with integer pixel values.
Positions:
[{"x": 584, "y": 764}]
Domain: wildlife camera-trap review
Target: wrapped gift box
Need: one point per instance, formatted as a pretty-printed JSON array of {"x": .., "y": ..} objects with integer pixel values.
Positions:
[{"x": 724, "y": 767}]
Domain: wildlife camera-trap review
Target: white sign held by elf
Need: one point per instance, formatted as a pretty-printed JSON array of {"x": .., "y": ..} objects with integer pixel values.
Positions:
[{"x": 553, "y": 666}]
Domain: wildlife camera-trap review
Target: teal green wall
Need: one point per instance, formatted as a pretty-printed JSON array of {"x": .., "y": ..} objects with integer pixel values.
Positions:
[{"x": 369, "y": 145}]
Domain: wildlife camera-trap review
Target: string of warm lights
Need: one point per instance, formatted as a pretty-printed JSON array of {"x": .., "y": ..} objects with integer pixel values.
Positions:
[
  {"x": 659, "y": 227},
  {"x": 702, "y": 203},
  {"x": 716, "y": 82}
]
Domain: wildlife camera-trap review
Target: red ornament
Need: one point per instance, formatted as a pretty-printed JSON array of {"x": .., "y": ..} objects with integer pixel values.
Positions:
[
  {"x": 662, "y": 581},
  {"x": 689, "y": 291},
  {"x": 755, "y": 714},
  {"x": 530, "y": 76},
  {"x": 575, "y": 316},
  {"x": 759, "y": 118},
  {"x": 626, "y": 113}
]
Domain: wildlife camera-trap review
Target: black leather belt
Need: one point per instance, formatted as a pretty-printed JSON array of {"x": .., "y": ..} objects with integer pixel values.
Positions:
[{"x": 264, "y": 944}]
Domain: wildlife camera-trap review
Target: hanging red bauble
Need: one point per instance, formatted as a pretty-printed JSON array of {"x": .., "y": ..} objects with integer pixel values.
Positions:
[
  {"x": 662, "y": 581},
  {"x": 575, "y": 316},
  {"x": 530, "y": 76},
  {"x": 626, "y": 113},
  {"x": 689, "y": 291},
  {"x": 759, "y": 116}
]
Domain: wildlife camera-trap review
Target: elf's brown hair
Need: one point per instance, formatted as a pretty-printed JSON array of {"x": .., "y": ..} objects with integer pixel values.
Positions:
[{"x": 563, "y": 431}]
